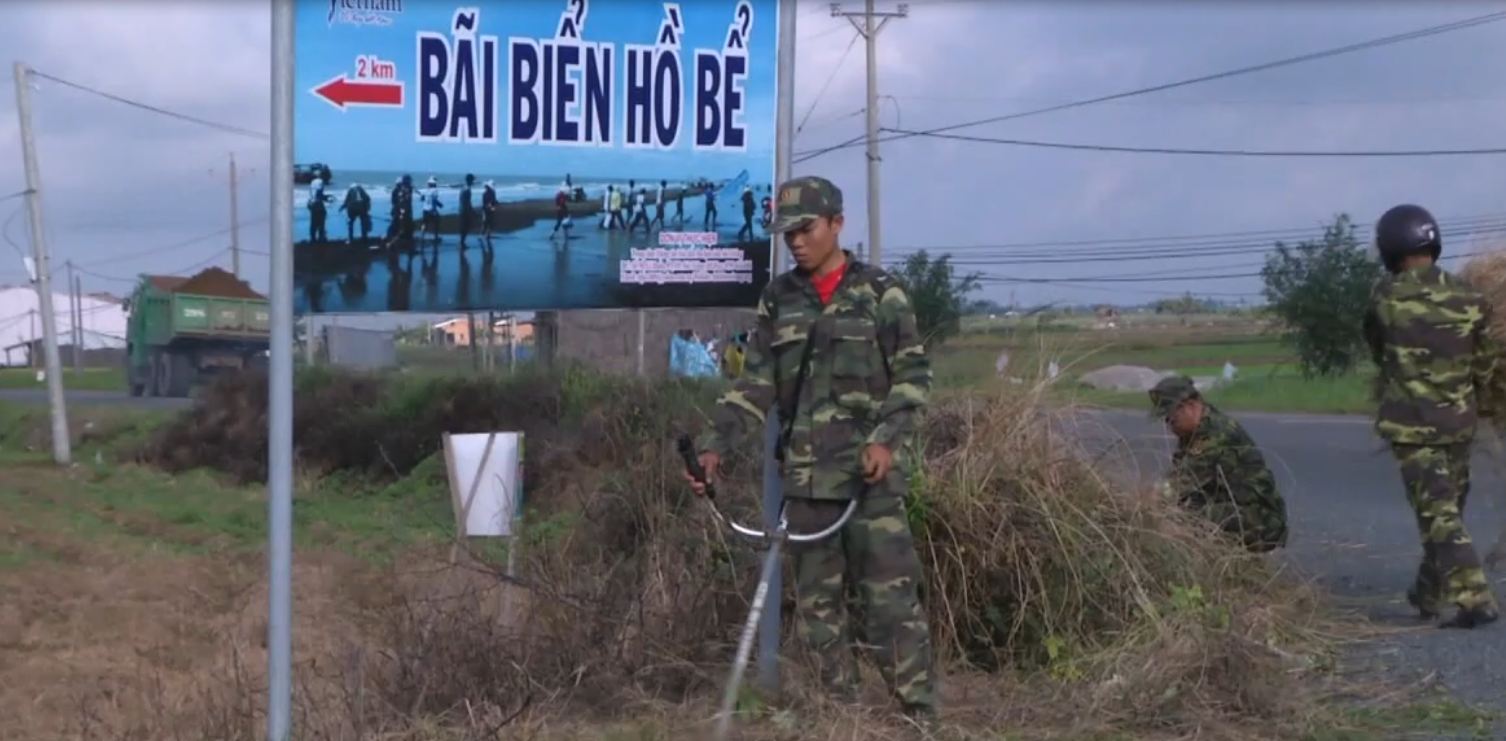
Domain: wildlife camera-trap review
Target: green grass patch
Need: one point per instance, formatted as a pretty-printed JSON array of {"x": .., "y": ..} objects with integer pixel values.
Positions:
[
  {"x": 1282, "y": 392},
  {"x": 1267, "y": 375},
  {"x": 1417, "y": 720},
  {"x": 103, "y": 431},
  {"x": 200, "y": 511},
  {"x": 84, "y": 379}
]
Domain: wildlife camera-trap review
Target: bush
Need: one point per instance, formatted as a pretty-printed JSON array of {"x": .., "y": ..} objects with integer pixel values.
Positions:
[
  {"x": 1320, "y": 290},
  {"x": 382, "y": 425}
]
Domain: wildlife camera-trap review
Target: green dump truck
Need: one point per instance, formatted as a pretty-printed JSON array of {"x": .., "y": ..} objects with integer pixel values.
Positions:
[{"x": 182, "y": 330}]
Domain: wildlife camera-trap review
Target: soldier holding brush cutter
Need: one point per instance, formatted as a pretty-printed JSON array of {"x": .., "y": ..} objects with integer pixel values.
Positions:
[{"x": 838, "y": 349}]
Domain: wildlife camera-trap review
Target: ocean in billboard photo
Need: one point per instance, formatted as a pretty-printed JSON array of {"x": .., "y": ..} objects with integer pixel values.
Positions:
[{"x": 526, "y": 155}]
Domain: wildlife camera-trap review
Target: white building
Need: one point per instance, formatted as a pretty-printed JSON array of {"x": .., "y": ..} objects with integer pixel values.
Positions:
[{"x": 103, "y": 323}]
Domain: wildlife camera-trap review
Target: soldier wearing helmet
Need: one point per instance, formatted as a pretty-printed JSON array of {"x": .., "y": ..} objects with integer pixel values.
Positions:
[{"x": 1427, "y": 336}]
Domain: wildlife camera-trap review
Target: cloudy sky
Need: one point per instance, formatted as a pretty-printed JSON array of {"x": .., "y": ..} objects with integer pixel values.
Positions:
[{"x": 127, "y": 190}]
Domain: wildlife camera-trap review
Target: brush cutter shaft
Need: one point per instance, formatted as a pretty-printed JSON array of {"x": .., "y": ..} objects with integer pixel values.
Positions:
[
  {"x": 776, "y": 542},
  {"x": 745, "y": 644}
]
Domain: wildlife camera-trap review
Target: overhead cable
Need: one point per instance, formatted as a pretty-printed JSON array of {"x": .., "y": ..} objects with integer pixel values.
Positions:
[{"x": 1323, "y": 54}]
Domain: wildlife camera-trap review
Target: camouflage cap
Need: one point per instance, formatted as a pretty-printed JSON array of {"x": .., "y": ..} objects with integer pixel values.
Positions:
[
  {"x": 803, "y": 199},
  {"x": 1170, "y": 392}
]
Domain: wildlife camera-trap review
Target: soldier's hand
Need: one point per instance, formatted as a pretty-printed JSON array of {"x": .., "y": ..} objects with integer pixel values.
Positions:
[
  {"x": 877, "y": 460},
  {"x": 710, "y": 463}
]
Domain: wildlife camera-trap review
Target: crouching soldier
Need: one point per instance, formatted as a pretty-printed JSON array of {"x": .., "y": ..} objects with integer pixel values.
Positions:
[
  {"x": 836, "y": 347},
  {"x": 1427, "y": 336},
  {"x": 1217, "y": 469}
]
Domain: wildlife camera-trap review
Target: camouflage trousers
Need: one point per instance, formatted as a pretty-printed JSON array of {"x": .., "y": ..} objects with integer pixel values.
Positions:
[
  {"x": 1437, "y": 485},
  {"x": 869, "y": 567}
]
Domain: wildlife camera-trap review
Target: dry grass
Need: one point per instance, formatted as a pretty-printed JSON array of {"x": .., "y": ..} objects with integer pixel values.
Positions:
[
  {"x": 1142, "y": 616},
  {"x": 1487, "y": 274},
  {"x": 1063, "y": 607}
]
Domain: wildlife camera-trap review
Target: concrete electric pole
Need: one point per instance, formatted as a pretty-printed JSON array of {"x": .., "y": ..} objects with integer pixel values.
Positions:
[
  {"x": 61, "y": 452},
  {"x": 870, "y": 32},
  {"x": 235, "y": 229}
]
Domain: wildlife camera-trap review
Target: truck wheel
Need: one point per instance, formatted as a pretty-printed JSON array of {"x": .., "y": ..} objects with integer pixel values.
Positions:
[
  {"x": 175, "y": 373},
  {"x": 182, "y": 374},
  {"x": 132, "y": 385},
  {"x": 160, "y": 380}
]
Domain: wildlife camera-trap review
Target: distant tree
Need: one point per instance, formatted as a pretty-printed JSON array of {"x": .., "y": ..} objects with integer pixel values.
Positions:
[
  {"x": 1320, "y": 289},
  {"x": 983, "y": 306},
  {"x": 937, "y": 295},
  {"x": 1184, "y": 306}
]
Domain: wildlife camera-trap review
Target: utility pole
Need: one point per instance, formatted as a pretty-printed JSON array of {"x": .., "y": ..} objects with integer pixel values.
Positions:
[
  {"x": 870, "y": 33},
  {"x": 78, "y": 323},
  {"x": 642, "y": 337},
  {"x": 473, "y": 338},
  {"x": 489, "y": 362},
  {"x": 72, "y": 313},
  {"x": 235, "y": 229},
  {"x": 60, "y": 443}
]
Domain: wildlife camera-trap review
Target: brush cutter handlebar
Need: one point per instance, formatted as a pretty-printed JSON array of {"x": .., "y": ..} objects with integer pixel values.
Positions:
[{"x": 693, "y": 465}]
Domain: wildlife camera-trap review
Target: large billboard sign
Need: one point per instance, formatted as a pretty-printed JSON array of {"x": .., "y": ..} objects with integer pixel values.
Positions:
[{"x": 532, "y": 154}]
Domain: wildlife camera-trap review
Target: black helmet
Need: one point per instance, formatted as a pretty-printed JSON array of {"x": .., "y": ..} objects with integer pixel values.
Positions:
[{"x": 1407, "y": 230}]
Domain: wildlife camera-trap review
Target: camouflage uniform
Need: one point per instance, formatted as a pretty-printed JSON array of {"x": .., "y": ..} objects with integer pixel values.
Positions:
[
  {"x": 1427, "y": 335},
  {"x": 1219, "y": 472},
  {"x": 868, "y": 378}
]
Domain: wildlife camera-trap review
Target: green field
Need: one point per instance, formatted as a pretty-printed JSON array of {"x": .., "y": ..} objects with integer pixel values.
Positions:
[
  {"x": 1268, "y": 377},
  {"x": 130, "y": 506},
  {"x": 90, "y": 379}
]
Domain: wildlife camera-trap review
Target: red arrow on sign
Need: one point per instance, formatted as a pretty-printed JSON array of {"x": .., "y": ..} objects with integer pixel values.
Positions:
[{"x": 342, "y": 91}]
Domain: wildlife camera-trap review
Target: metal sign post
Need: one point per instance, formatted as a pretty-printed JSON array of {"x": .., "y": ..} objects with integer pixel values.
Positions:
[
  {"x": 280, "y": 387},
  {"x": 773, "y": 495}
]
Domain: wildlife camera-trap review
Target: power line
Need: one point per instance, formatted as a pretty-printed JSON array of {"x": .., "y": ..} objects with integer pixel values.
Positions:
[
  {"x": 1463, "y": 226},
  {"x": 154, "y": 109},
  {"x": 5, "y": 232},
  {"x": 1413, "y": 101},
  {"x": 1203, "y": 152},
  {"x": 829, "y": 78},
  {"x": 1360, "y": 46},
  {"x": 175, "y": 245},
  {"x": 102, "y": 276},
  {"x": 1143, "y": 253},
  {"x": 201, "y": 263},
  {"x": 1153, "y": 278}
]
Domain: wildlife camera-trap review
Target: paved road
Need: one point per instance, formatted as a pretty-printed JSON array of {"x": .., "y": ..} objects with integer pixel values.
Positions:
[
  {"x": 93, "y": 398},
  {"x": 1352, "y": 531}
]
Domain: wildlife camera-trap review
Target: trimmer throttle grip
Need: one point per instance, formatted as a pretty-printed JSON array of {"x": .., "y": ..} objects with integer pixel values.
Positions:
[{"x": 693, "y": 464}]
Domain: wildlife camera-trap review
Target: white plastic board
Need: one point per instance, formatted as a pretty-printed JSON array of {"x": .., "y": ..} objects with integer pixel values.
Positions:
[{"x": 486, "y": 505}]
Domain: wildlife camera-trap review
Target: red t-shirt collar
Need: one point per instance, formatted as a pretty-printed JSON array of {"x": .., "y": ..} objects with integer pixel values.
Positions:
[{"x": 826, "y": 285}]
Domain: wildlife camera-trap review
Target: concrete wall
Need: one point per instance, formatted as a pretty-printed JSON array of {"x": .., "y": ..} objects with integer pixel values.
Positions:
[{"x": 609, "y": 339}]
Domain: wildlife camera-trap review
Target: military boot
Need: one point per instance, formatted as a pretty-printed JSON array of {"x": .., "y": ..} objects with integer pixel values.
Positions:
[
  {"x": 1426, "y": 609},
  {"x": 1471, "y": 617}
]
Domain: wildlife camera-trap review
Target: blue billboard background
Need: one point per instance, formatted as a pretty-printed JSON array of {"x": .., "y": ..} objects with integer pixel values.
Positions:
[{"x": 531, "y": 154}]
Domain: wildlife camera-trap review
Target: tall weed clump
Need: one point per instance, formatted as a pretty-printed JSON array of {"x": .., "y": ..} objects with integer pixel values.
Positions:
[{"x": 1039, "y": 564}]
